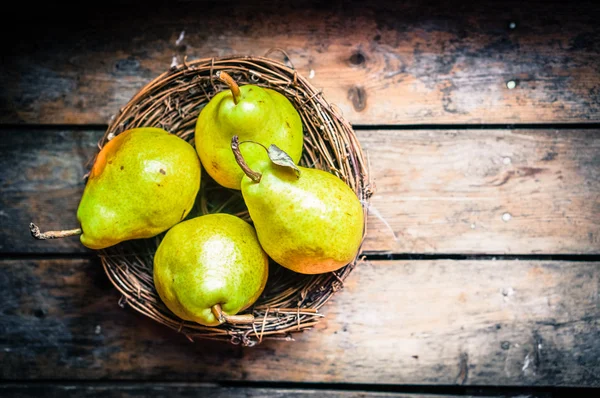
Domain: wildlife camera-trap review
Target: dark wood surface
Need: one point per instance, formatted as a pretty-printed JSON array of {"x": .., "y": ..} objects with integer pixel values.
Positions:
[
  {"x": 382, "y": 62},
  {"x": 487, "y": 277}
]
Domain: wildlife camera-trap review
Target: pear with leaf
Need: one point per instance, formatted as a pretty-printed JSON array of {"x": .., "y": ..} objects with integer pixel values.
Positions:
[{"x": 307, "y": 220}]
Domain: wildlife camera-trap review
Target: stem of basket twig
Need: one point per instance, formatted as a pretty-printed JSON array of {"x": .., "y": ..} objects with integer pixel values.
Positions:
[
  {"x": 35, "y": 232},
  {"x": 233, "y": 86},
  {"x": 235, "y": 147},
  {"x": 233, "y": 319}
]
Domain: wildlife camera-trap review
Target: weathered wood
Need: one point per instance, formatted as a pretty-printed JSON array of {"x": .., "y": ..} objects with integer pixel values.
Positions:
[
  {"x": 382, "y": 62},
  {"x": 487, "y": 191},
  {"x": 441, "y": 191},
  {"x": 42, "y": 181},
  {"x": 395, "y": 322},
  {"x": 175, "y": 390}
]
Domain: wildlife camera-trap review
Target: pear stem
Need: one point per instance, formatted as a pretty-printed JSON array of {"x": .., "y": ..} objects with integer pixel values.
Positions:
[
  {"x": 233, "y": 86},
  {"x": 35, "y": 232},
  {"x": 233, "y": 319},
  {"x": 235, "y": 146}
]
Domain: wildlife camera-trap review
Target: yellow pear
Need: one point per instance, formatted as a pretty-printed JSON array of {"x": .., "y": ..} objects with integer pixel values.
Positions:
[
  {"x": 253, "y": 113},
  {"x": 143, "y": 181},
  {"x": 209, "y": 268}
]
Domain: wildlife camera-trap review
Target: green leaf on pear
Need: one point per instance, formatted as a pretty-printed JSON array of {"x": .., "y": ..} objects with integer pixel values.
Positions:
[{"x": 279, "y": 157}]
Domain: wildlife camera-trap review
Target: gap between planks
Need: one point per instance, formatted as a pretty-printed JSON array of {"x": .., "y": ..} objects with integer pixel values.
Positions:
[{"x": 109, "y": 388}]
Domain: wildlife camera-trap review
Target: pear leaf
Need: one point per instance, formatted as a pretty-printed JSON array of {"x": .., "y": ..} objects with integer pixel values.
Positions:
[{"x": 279, "y": 157}]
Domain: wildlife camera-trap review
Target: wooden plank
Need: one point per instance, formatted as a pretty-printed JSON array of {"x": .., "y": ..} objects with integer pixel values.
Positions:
[
  {"x": 42, "y": 181},
  {"x": 501, "y": 323},
  {"x": 384, "y": 62},
  {"x": 486, "y": 191},
  {"x": 184, "y": 390},
  {"x": 441, "y": 191}
]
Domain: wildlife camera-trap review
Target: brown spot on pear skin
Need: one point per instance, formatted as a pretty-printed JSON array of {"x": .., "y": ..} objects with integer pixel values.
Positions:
[
  {"x": 163, "y": 172},
  {"x": 122, "y": 167},
  {"x": 215, "y": 165}
]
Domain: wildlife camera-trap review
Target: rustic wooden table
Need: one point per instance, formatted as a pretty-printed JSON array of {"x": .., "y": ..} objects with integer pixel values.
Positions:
[{"x": 481, "y": 123}]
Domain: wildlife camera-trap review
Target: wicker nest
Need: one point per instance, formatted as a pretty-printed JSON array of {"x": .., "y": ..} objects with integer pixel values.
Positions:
[{"x": 290, "y": 301}]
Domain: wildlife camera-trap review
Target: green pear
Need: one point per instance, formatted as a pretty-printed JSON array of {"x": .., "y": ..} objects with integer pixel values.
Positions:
[
  {"x": 209, "y": 268},
  {"x": 142, "y": 182},
  {"x": 307, "y": 220},
  {"x": 253, "y": 113}
]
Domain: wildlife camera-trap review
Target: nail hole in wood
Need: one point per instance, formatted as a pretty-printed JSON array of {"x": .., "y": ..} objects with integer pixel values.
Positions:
[
  {"x": 358, "y": 96},
  {"x": 357, "y": 58}
]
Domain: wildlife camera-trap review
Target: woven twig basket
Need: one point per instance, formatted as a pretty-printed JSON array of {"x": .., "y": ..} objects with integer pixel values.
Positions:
[{"x": 290, "y": 301}]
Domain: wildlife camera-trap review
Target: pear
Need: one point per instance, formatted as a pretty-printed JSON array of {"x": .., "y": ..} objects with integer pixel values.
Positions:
[
  {"x": 142, "y": 182},
  {"x": 307, "y": 220},
  {"x": 253, "y": 113},
  {"x": 209, "y": 268}
]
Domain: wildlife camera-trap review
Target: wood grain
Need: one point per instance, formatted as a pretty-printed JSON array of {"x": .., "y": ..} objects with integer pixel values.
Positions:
[
  {"x": 395, "y": 322},
  {"x": 485, "y": 191},
  {"x": 184, "y": 390},
  {"x": 42, "y": 181},
  {"x": 441, "y": 191},
  {"x": 383, "y": 63}
]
